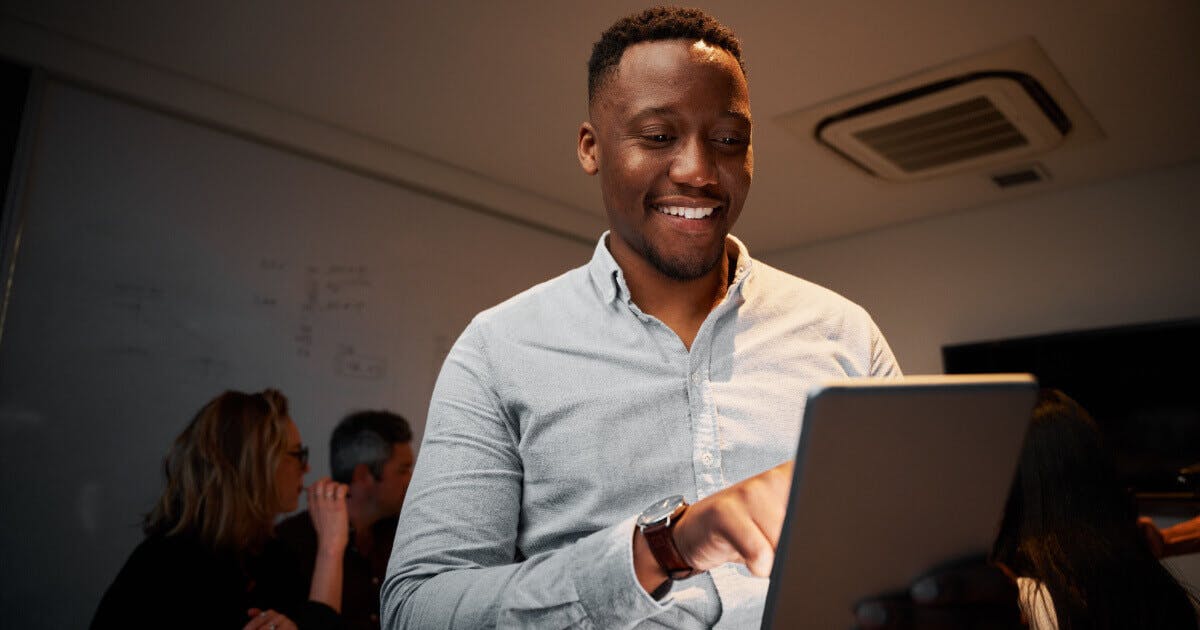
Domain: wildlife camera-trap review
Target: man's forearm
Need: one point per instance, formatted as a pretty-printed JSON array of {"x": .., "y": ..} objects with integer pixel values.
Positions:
[{"x": 590, "y": 579}]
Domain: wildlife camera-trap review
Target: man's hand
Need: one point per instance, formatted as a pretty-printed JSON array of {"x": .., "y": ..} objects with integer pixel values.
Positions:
[
  {"x": 740, "y": 524},
  {"x": 968, "y": 594}
]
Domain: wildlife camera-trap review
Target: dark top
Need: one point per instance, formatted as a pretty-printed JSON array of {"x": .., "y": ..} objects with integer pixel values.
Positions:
[
  {"x": 362, "y": 575},
  {"x": 178, "y": 582}
]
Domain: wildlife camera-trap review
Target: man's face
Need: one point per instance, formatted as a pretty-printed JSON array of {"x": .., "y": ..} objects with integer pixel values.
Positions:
[
  {"x": 392, "y": 485},
  {"x": 670, "y": 135}
]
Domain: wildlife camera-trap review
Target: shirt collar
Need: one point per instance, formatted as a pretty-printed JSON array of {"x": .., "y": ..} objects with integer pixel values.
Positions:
[
  {"x": 610, "y": 282},
  {"x": 605, "y": 272},
  {"x": 744, "y": 265}
]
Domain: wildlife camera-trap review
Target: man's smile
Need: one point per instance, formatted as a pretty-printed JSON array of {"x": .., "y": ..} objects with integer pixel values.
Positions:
[
  {"x": 685, "y": 206},
  {"x": 685, "y": 211}
]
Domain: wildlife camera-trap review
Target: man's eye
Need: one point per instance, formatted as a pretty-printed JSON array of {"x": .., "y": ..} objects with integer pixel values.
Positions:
[
  {"x": 731, "y": 141},
  {"x": 657, "y": 137}
]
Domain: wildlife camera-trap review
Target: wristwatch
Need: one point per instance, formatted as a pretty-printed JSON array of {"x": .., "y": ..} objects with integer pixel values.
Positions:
[{"x": 657, "y": 524}]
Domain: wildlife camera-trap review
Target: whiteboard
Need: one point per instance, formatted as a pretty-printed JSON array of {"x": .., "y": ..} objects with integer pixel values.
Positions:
[{"x": 161, "y": 262}]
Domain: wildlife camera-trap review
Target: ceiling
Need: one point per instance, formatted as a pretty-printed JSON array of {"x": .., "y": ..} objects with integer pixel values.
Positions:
[{"x": 496, "y": 90}]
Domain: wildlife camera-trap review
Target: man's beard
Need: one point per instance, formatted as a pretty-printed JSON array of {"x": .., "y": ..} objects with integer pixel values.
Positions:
[{"x": 683, "y": 268}]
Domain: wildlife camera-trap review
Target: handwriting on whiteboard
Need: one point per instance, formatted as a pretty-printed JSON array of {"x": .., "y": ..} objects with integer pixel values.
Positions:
[
  {"x": 362, "y": 366},
  {"x": 135, "y": 297},
  {"x": 335, "y": 288},
  {"x": 332, "y": 289}
]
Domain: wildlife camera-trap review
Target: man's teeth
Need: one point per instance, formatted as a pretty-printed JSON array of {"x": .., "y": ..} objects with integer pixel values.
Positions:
[{"x": 687, "y": 213}]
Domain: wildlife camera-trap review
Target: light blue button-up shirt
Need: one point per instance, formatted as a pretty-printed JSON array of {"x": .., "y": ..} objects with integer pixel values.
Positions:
[{"x": 563, "y": 412}]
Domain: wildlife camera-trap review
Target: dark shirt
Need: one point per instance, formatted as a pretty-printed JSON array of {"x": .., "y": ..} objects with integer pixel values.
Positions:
[
  {"x": 362, "y": 575},
  {"x": 178, "y": 582}
]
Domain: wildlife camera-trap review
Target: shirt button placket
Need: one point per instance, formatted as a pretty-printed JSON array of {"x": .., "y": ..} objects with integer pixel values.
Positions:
[{"x": 705, "y": 462}]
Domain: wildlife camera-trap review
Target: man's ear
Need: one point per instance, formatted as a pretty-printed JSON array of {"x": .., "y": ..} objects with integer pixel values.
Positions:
[
  {"x": 362, "y": 475},
  {"x": 587, "y": 149}
]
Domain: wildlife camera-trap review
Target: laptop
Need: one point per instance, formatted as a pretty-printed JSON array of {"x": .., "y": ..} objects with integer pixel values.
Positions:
[{"x": 893, "y": 477}]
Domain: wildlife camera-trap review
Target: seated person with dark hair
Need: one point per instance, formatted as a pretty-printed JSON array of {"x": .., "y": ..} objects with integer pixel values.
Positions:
[
  {"x": 1069, "y": 535},
  {"x": 371, "y": 452}
]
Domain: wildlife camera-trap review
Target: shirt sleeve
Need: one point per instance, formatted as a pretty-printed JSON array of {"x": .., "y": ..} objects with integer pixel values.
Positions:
[
  {"x": 455, "y": 562},
  {"x": 1036, "y": 605},
  {"x": 883, "y": 362}
]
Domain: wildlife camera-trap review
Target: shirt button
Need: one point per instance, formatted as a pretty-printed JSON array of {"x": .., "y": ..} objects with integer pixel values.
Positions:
[
  {"x": 375, "y": 581},
  {"x": 697, "y": 378},
  {"x": 374, "y": 617},
  {"x": 707, "y": 458}
]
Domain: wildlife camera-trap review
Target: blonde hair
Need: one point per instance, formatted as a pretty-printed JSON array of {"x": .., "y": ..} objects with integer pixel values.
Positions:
[{"x": 220, "y": 472}]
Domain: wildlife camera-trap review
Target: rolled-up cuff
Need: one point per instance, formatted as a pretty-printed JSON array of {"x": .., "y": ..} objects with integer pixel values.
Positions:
[{"x": 602, "y": 569}]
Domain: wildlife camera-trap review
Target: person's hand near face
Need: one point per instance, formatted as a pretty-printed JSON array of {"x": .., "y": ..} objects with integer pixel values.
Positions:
[{"x": 327, "y": 508}]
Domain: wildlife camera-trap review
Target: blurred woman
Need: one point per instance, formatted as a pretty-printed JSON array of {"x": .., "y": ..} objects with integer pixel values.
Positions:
[
  {"x": 207, "y": 560},
  {"x": 1070, "y": 537}
]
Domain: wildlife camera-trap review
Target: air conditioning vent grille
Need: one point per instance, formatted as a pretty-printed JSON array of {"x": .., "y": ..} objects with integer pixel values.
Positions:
[
  {"x": 962, "y": 131},
  {"x": 1025, "y": 175}
]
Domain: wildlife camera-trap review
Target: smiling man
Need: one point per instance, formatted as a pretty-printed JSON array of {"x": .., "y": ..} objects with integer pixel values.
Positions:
[
  {"x": 670, "y": 372},
  {"x": 670, "y": 139}
]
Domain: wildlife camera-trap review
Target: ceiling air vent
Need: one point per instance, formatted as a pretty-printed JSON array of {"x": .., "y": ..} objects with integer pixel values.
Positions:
[
  {"x": 1024, "y": 175},
  {"x": 971, "y": 121}
]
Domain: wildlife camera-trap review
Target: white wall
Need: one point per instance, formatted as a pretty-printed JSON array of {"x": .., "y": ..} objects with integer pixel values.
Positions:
[{"x": 1118, "y": 252}]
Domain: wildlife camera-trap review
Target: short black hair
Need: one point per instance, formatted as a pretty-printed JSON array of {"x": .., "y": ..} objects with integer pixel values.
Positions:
[
  {"x": 655, "y": 24},
  {"x": 365, "y": 437}
]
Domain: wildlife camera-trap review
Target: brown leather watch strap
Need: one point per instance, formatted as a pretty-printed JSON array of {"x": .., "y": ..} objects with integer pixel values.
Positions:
[{"x": 660, "y": 537}]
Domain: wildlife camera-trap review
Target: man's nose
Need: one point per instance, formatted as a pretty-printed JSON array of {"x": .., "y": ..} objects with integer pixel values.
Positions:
[{"x": 694, "y": 164}]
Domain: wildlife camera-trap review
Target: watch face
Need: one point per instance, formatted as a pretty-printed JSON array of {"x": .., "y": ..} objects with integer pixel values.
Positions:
[{"x": 660, "y": 510}]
